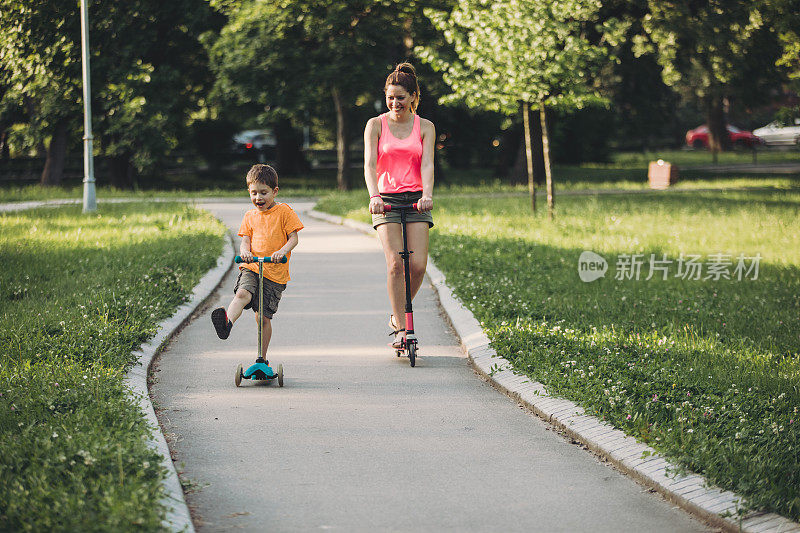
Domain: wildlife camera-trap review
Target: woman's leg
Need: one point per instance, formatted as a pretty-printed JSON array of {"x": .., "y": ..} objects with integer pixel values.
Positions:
[
  {"x": 418, "y": 242},
  {"x": 392, "y": 242},
  {"x": 391, "y": 238}
]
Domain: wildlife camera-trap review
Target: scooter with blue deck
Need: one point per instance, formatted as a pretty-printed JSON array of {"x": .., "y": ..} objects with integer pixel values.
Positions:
[{"x": 260, "y": 370}]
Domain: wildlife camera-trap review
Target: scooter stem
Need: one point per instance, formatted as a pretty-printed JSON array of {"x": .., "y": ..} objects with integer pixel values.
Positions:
[
  {"x": 260, "y": 309},
  {"x": 406, "y": 255}
]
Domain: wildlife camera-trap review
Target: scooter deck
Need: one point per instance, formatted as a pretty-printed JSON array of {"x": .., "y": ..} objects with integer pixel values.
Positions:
[{"x": 259, "y": 371}]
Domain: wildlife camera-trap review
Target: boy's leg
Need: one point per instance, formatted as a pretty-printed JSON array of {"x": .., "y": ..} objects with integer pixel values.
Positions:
[
  {"x": 266, "y": 334},
  {"x": 237, "y": 305},
  {"x": 243, "y": 293},
  {"x": 223, "y": 320}
]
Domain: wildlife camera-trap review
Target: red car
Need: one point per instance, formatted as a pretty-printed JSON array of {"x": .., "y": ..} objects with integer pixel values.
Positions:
[{"x": 698, "y": 137}]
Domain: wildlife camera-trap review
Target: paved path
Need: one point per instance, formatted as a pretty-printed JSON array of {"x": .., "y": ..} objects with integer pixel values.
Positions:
[{"x": 359, "y": 441}]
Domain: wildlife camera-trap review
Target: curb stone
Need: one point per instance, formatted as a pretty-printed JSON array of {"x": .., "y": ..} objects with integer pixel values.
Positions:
[
  {"x": 178, "y": 517},
  {"x": 691, "y": 492}
]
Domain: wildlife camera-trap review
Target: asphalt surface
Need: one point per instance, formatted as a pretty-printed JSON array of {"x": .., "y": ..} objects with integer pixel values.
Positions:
[{"x": 359, "y": 441}]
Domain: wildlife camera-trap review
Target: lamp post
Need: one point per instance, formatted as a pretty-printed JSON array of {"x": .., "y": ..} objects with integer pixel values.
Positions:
[{"x": 89, "y": 199}]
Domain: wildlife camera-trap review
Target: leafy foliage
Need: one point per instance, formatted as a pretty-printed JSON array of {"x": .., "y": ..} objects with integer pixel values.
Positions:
[
  {"x": 148, "y": 69},
  {"x": 514, "y": 51},
  {"x": 712, "y": 50}
]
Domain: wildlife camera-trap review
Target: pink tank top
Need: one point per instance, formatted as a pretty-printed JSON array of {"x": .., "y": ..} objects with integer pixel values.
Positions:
[{"x": 399, "y": 160}]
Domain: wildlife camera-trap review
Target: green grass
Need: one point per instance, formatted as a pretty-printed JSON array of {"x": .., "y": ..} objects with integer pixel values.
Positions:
[
  {"x": 701, "y": 157},
  {"x": 79, "y": 293},
  {"x": 626, "y": 171},
  {"x": 580, "y": 180},
  {"x": 707, "y": 372},
  {"x": 28, "y": 193}
]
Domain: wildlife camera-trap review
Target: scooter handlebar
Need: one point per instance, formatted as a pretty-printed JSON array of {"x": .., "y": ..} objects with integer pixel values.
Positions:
[
  {"x": 238, "y": 259},
  {"x": 388, "y": 207}
]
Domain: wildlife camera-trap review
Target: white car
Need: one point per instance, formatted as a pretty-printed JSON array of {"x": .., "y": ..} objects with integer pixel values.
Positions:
[{"x": 777, "y": 133}]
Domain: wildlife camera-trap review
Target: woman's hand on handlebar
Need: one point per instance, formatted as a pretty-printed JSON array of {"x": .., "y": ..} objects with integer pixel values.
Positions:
[
  {"x": 424, "y": 204},
  {"x": 376, "y": 205}
]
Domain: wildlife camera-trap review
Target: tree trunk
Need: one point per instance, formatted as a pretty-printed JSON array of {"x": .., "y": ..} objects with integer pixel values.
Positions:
[
  {"x": 5, "y": 152},
  {"x": 718, "y": 139},
  {"x": 518, "y": 174},
  {"x": 546, "y": 154},
  {"x": 438, "y": 172},
  {"x": 121, "y": 171},
  {"x": 288, "y": 153},
  {"x": 528, "y": 155},
  {"x": 53, "y": 171},
  {"x": 408, "y": 38},
  {"x": 342, "y": 142}
]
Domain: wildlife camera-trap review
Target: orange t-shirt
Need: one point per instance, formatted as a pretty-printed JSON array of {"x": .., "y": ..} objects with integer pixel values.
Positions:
[{"x": 268, "y": 232}]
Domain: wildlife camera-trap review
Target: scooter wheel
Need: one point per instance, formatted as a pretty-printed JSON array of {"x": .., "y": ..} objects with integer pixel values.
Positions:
[
  {"x": 280, "y": 375},
  {"x": 239, "y": 374},
  {"x": 412, "y": 353}
]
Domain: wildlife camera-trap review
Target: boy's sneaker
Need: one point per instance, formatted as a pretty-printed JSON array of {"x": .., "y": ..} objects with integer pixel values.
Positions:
[{"x": 219, "y": 317}]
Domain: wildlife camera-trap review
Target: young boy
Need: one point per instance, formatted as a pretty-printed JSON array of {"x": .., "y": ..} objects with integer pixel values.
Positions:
[{"x": 268, "y": 230}]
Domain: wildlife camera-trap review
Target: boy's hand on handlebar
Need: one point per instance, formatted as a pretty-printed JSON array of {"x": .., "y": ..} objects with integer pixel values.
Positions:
[
  {"x": 376, "y": 205},
  {"x": 246, "y": 255},
  {"x": 424, "y": 204},
  {"x": 278, "y": 256}
]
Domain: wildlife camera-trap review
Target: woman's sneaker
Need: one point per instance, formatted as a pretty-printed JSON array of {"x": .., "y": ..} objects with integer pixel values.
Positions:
[{"x": 219, "y": 317}]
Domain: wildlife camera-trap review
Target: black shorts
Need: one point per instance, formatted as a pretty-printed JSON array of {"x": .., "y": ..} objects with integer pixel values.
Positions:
[
  {"x": 248, "y": 280},
  {"x": 401, "y": 198}
]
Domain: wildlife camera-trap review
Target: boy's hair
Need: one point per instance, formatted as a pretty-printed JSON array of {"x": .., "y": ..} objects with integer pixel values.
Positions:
[{"x": 262, "y": 174}]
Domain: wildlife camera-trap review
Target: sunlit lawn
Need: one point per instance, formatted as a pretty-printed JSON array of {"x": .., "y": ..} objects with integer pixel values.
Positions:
[{"x": 78, "y": 294}]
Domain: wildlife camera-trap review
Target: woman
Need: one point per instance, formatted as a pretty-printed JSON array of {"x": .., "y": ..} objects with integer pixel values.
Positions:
[{"x": 398, "y": 169}]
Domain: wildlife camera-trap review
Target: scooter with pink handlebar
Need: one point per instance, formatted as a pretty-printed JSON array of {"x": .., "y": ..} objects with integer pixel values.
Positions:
[{"x": 409, "y": 346}]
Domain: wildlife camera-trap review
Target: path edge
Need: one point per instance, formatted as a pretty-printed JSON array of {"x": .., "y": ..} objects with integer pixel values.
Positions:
[
  {"x": 691, "y": 492},
  {"x": 178, "y": 517}
]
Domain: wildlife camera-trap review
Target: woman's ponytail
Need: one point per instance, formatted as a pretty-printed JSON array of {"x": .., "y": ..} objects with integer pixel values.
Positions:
[{"x": 405, "y": 76}]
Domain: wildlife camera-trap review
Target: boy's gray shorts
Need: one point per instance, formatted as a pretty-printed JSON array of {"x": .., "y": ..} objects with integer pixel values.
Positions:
[{"x": 248, "y": 280}]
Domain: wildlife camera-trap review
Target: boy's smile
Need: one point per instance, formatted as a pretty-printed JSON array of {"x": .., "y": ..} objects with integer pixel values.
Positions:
[{"x": 262, "y": 196}]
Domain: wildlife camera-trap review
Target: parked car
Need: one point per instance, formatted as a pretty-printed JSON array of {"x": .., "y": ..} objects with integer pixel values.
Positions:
[
  {"x": 778, "y": 133},
  {"x": 698, "y": 137},
  {"x": 253, "y": 141}
]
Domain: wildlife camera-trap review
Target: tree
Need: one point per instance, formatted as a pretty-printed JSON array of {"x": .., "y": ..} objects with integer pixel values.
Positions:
[
  {"x": 40, "y": 54},
  {"x": 704, "y": 46},
  {"x": 146, "y": 73},
  {"x": 509, "y": 54},
  {"x": 317, "y": 56},
  {"x": 786, "y": 15}
]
